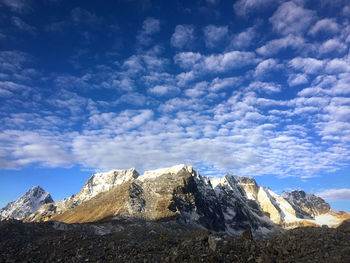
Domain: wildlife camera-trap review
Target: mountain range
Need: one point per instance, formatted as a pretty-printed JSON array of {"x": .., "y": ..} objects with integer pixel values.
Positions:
[{"x": 179, "y": 194}]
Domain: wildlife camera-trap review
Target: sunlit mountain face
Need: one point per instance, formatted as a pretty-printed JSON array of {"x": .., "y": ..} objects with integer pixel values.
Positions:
[{"x": 250, "y": 87}]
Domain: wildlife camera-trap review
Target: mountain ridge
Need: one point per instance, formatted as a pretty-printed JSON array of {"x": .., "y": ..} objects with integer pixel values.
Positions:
[
  {"x": 228, "y": 204},
  {"x": 26, "y": 204}
]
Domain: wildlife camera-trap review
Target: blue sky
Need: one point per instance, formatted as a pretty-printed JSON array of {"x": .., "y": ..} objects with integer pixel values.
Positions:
[{"x": 250, "y": 87}]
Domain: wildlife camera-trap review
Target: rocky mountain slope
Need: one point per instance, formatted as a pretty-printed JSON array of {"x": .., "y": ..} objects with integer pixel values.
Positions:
[
  {"x": 292, "y": 209},
  {"x": 26, "y": 204},
  {"x": 230, "y": 204},
  {"x": 177, "y": 193}
]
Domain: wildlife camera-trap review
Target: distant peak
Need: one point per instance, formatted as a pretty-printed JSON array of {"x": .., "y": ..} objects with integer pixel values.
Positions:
[
  {"x": 37, "y": 187},
  {"x": 172, "y": 170}
]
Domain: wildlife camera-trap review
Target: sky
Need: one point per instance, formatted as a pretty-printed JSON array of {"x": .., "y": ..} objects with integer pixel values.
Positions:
[{"x": 256, "y": 88}]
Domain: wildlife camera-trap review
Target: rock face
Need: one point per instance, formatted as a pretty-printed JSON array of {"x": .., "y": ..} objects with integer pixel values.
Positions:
[
  {"x": 27, "y": 204},
  {"x": 179, "y": 194},
  {"x": 309, "y": 203},
  {"x": 96, "y": 184},
  {"x": 291, "y": 209}
]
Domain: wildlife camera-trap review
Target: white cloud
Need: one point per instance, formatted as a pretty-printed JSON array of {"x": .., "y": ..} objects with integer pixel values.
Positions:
[
  {"x": 214, "y": 35},
  {"x": 81, "y": 15},
  {"x": 16, "y": 5},
  {"x": 164, "y": 90},
  {"x": 29, "y": 147},
  {"x": 20, "y": 24},
  {"x": 244, "y": 39},
  {"x": 133, "y": 65},
  {"x": 346, "y": 10},
  {"x": 218, "y": 84},
  {"x": 325, "y": 26},
  {"x": 183, "y": 37},
  {"x": 130, "y": 119},
  {"x": 132, "y": 98},
  {"x": 246, "y": 7},
  {"x": 290, "y": 18},
  {"x": 198, "y": 90},
  {"x": 337, "y": 66},
  {"x": 333, "y": 45},
  {"x": 264, "y": 68},
  {"x": 150, "y": 27},
  {"x": 268, "y": 87},
  {"x": 273, "y": 47},
  {"x": 215, "y": 63},
  {"x": 335, "y": 194},
  {"x": 297, "y": 79},
  {"x": 13, "y": 61},
  {"x": 187, "y": 60},
  {"x": 307, "y": 65},
  {"x": 227, "y": 61}
]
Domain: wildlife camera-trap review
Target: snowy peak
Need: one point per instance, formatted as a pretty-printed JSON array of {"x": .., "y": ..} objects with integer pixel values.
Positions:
[
  {"x": 27, "y": 204},
  {"x": 309, "y": 203},
  {"x": 230, "y": 203},
  {"x": 173, "y": 170},
  {"x": 102, "y": 182},
  {"x": 250, "y": 187}
]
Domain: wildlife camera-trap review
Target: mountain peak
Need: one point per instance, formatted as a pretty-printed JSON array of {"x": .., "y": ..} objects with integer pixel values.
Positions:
[
  {"x": 26, "y": 204},
  {"x": 309, "y": 203},
  {"x": 169, "y": 170}
]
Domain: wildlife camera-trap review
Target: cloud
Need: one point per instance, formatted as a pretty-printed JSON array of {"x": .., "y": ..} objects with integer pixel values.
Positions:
[
  {"x": 19, "y": 6},
  {"x": 187, "y": 60},
  {"x": 83, "y": 16},
  {"x": 198, "y": 90},
  {"x": 163, "y": 90},
  {"x": 290, "y": 18},
  {"x": 214, "y": 35},
  {"x": 219, "y": 84},
  {"x": 337, "y": 66},
  {"x": 215, "y": 63},
  {"x": 132, "y": 98},
  {"x": 297, "y": 79},
  {"x": 228, "y": 61},
  {"x": 29, "y": 147},
  {"x": 274, "y": 46},
  {"x": 20, "y": 24},
  {"x": 247, "y": 7},
  {"x": 150, "y": 27},
  {"x": 131, "y": 119},
  {"x": 264, "y": 68},
  {"x": 13, "y": 61},
  {"x": 346, "y": 10},
  {"x": 333, "y": 46},
  {"x": 335, "y": 194},
  {"x": 244, "y": 39},
  {"x": 268, "y": 87},
  {"x": 183, "y": 37},
  {"x": 325, "y": 26},
  {"x": 307, "y": 65}
]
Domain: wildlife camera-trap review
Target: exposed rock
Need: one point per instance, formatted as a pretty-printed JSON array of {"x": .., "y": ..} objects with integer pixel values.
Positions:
[
  {"x": 230, "y": 204},
  {"x": 41, "y": 242},
  {"x": 26, "y": 204},
  {"x": 309, "y": 203}
]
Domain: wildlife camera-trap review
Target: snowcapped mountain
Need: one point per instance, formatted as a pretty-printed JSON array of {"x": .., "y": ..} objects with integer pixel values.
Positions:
[
  {"x": 180, "y": 194},
  {"x": 27, "y": 204},
  {"x": 309, "y": 203},
  {"x": 291, "y": 209},
  {"x": 96, "y": 184}
]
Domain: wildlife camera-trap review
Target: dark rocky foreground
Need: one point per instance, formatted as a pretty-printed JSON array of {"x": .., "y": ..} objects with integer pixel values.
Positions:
[{"x": 166, "y": 242}]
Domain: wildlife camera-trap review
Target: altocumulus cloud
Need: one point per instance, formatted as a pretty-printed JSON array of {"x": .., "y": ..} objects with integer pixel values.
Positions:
[{"x": 335, "y": 194}]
